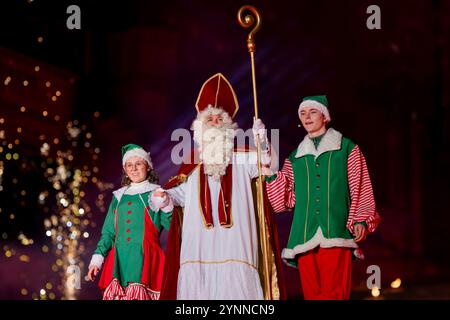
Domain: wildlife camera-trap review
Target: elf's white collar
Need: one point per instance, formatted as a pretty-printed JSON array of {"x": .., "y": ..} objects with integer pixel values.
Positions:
[
  {"x": 135, "y": 188},
  {"x": 330, "y": 141}
]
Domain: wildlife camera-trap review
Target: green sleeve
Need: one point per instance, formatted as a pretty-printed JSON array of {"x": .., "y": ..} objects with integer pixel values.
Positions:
[
  {"x": 108, "y": 233},
  {"x": 161, "y": 219},
  {"x": 271, "y": 178},
  {"x": 166, "y": 218}
]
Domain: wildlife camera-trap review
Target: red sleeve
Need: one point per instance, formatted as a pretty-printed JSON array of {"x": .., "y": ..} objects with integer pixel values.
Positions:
[
  {"x": 362, "y": 207},
  {"x": 281, "y": 190}
]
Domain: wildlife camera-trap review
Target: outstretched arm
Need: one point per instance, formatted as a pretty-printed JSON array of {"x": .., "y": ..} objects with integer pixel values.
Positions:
[
  {"x": 177, "y": 194},
  {"x": 162, "y": 206}
]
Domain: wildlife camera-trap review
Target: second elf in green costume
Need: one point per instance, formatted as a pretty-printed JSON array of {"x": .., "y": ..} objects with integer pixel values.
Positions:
[
  {"x": 129, "y": 249},
  {"x": 326, "y": 183}
]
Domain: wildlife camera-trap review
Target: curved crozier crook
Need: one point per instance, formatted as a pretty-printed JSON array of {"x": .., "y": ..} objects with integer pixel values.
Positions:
[{"x": 247, "y": 21}]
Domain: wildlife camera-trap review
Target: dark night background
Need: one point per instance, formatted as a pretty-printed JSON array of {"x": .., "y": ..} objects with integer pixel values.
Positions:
[{"x": 133, "y": 72}]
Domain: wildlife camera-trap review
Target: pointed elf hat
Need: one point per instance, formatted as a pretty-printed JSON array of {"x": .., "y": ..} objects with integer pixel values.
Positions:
[
  {"x": 217, "y": 92},
  {"x": 318, "y": 102},
  {"x": 132, "y": 150}
]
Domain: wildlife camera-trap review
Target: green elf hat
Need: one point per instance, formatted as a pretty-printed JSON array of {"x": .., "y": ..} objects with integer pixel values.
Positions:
[
  {"x": 318, "y": 102},
  {"x": 132, "y": 150}
]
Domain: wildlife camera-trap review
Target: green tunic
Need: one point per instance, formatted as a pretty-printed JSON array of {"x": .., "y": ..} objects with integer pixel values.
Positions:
[
  {"x": 322, "y": 195},
  {"x": 129, "y": 213}
]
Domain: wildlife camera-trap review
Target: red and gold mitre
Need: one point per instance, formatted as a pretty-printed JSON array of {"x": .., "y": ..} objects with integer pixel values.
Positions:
[{"x": 218, "y": 92}]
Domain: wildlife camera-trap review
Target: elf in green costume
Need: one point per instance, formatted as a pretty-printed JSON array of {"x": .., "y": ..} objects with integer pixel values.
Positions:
[
  {"x": 129, "y": 248},
  {"x": 326, "y": 182}
]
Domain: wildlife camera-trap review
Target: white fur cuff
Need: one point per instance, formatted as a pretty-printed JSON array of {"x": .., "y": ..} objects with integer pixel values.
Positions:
[{"x": 97, "y": 260}]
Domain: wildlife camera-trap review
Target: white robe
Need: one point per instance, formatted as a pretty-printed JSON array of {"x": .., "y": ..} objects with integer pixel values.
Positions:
[{"x": 219, "y": 263}]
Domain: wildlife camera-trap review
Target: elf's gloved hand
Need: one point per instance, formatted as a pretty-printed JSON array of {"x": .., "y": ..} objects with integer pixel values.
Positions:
[
  {"x": 358, "y": 253},
  {"x": 94, "y": 267},
  {"x": 96, "y": 261},
  {"x": 259, "y": 129},
  {"x": 162, "y": 200}
]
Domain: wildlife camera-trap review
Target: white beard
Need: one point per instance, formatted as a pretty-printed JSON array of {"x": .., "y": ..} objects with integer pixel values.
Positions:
[{"x": 216, "y": 147}]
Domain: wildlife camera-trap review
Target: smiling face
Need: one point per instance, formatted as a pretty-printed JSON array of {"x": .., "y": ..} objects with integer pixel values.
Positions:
[
  {"x": 313, "y": 121},
  {"x": 136, "y": 169},
  {"x": 214, "y": 120}
]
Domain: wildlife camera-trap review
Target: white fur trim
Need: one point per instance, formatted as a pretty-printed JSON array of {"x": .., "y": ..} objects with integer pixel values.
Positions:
[
  {"x": 135, "y": 188},
  {"x": 96, "y": 260},
  {"x": 331, "y": 141},
  {"x": 151, "y": 204},
  {"x": 317, "y": 240},
  {"x": 137, "y": 153},
  {"x": 315, "y": 104}
]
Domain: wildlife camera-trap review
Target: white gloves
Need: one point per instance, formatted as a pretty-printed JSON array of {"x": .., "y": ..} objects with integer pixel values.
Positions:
[
  {"x": 359, "y": 254},
  {"x": 164, "y": 202},
  {"x": 259, "y": 128},
  {"x": 265, "y": 158},
  {"x": 97, "y": 261}
]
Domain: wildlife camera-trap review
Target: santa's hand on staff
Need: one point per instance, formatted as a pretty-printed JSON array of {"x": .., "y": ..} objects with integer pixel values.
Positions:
[
  {"x": 260, "y": 132},
  {"x": 259, "y": 129}
]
